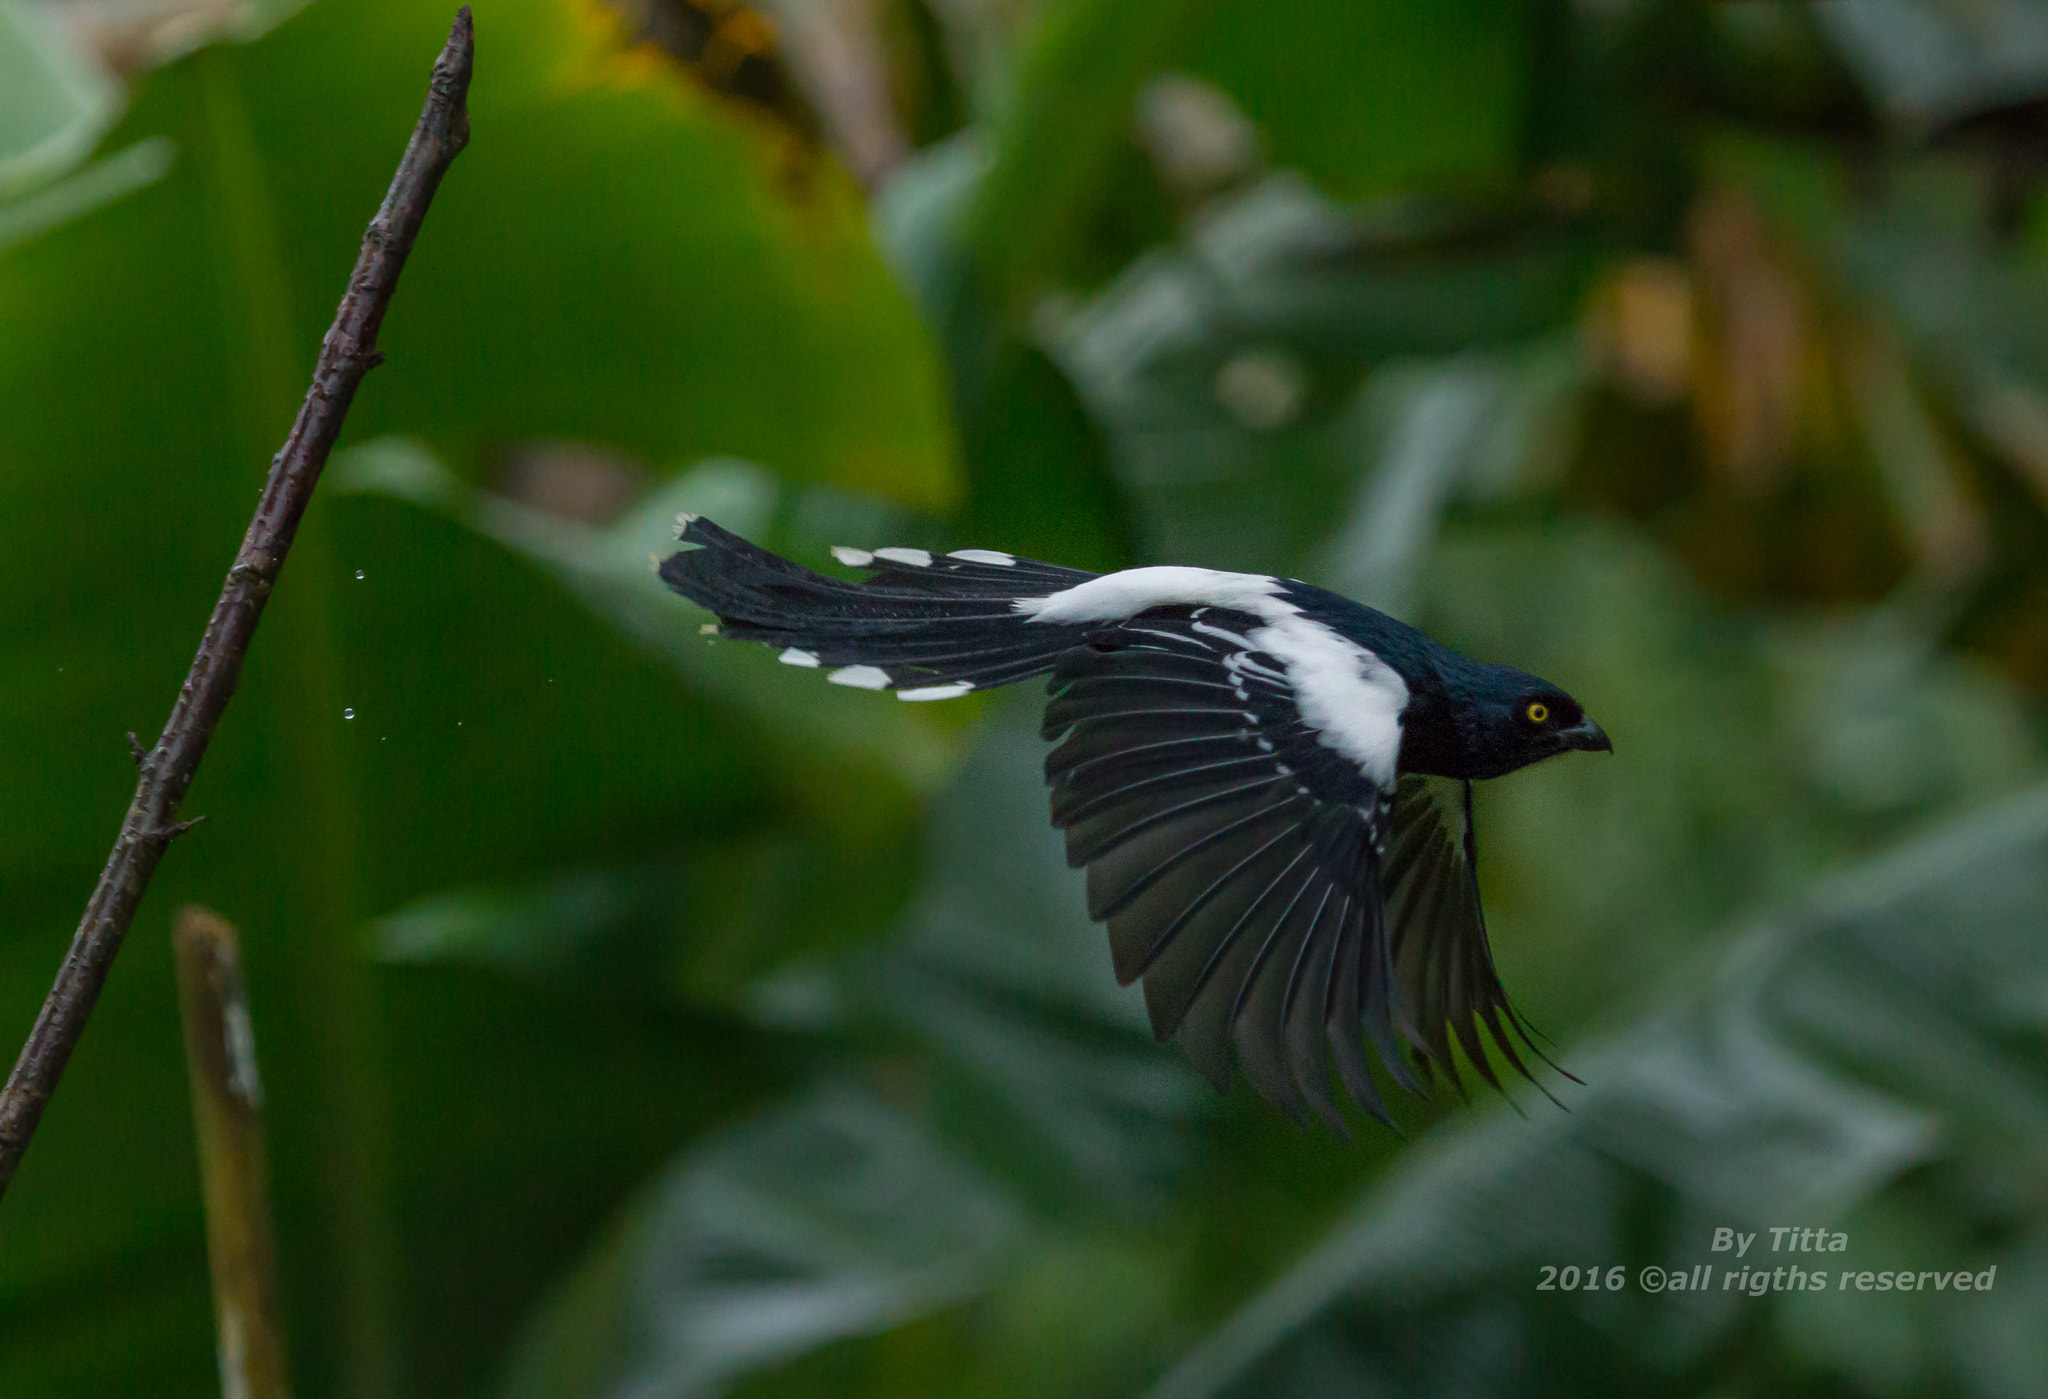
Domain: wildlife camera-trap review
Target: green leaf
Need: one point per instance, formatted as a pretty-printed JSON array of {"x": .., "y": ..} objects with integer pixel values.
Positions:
[
  {"x": 1368, "y": 96},
  {"x": 833, "y": 1216},
  {"x": 54, "y": 100},
  {"x": 1055, "y": 138},
  {"x": 79, "y": 194},
  {"x": 528, "y": 1115}
]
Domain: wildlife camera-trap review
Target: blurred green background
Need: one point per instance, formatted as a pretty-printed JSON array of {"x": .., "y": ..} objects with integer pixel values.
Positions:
[{"x": 641, "y": 1018}]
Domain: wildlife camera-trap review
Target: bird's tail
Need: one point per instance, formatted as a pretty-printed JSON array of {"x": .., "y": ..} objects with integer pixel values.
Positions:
[{"x": 926, "y": 626}]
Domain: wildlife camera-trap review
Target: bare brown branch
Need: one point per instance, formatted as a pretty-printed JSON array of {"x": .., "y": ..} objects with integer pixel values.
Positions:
[{"x": 346, "y": 354}]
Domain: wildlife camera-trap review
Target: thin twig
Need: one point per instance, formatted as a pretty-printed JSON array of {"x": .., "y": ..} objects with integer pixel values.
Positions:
[
  {"x": 348, "y": 352},
  {"x": 227, "y": 1109}
]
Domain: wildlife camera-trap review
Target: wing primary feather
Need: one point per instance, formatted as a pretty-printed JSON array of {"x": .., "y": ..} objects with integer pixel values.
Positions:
[
  {"x": 1380, "y": 992},
  {"x": 1146, "y": 713},
  {"x": 1482, "y": 981},
  {"x": 1305, "y": 1012},
  {"x": 1085, "y": 848},
  {"x": 1514, "y": 1019},
  {"x": 1441, "y": 962},
  {"x": 1497, "y": 1004},
  {"x": 1068, "y": 770},
  {"x": 1410, "y": 837},
  {"x": 1201, "y": 901},
  {"x": 1185, "y": 853},
  {"x": 1121, "y": 682},
  {"x": 1088, "y": 701},
  {"x": 1228, "y": 940},
  {"x": 1530, "y": 1034},
  {"x": 1208, "y": 1021},
  {"x": 1104, "y": 740},
  {"x": 1154, "y": 784},
  {"x": 1101, "y": 661},
  {"x": 1467, "y": 992},
  {"x": 1344, "y": 1015},
  {"x": 1255, "y": 1025},
  {"x": 1503, "y": 1037},
  {"x": 1420, "y": 945},
  {"x": 1464, "y": 967}
]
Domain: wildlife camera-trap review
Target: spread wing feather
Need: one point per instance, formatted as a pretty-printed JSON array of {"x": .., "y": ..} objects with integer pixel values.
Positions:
[
  {"x": 1227, "y": 850},
  {"x": 1442, "y": 958},
  {"x": 1282, "y": 912}
]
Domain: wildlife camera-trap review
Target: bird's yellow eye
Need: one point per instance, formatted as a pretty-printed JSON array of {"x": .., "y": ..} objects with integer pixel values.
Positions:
[{"x": 1538, "y": 712}]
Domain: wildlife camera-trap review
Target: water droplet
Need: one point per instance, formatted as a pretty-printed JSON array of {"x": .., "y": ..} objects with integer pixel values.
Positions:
[
  {"x": 359, "y": 573},
  {"x": 348, "y": 714}
]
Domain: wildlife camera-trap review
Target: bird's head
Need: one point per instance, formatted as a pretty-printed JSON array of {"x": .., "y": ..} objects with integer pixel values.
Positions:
[{"x": 1512, "y": 719}]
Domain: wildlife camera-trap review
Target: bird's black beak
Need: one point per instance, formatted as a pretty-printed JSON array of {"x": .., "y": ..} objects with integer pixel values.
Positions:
[{"x": 1586, "y": 736}]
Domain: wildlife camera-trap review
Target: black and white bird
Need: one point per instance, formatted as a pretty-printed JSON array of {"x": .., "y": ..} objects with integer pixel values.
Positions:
[{"x": 1270, "y": 785}]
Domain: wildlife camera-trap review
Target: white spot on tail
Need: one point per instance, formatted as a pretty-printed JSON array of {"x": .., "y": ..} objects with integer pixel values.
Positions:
[
  {"x": 937, "y": 692},
  {"x": 984, "y": 556},
  {"x": 861, "y": 677},
  {"x": 683, "y": 523},
  {"x": 916, "y": 558},
  {"x": 796, "y": 655},
  {"x": 852, "y": 558}
]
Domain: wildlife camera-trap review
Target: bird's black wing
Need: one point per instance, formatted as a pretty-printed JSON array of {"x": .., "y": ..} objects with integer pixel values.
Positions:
[
  {"x": 1234, "y": 856},
  {"x": 1443, "y": 964}
]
